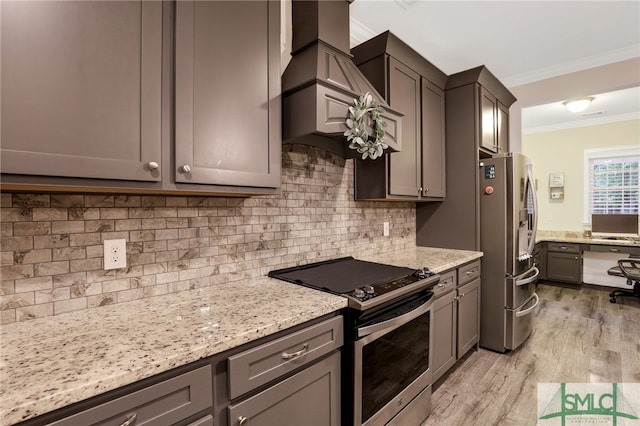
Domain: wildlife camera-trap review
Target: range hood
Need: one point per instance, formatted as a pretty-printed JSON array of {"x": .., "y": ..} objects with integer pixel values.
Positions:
[{"x": 321, "y": 81}]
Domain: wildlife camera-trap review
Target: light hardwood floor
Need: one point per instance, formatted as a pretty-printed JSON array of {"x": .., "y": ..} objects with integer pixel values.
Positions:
[{"x": 578, "y": 337}]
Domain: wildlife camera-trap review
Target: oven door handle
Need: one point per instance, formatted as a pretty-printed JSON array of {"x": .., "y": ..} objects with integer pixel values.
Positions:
[{"x": 397, "y": 321}]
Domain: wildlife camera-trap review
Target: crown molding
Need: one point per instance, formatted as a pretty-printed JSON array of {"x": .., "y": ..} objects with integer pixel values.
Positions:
[
  {"x": 359, "y": 32},
  {"x": 612, "y": 56}
]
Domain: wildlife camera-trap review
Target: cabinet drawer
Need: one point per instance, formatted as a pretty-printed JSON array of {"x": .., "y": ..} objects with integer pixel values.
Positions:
[
  {"x": 448, "y": 282},
  {"x": 615, "y": 249},
  {"x": 311, "y": 397},
  {"x": 260, "y": 365},
  {"x": 164, "y": 403},
  {"x": 468, "y": 273},
  {"x": 563, "y": 247}
]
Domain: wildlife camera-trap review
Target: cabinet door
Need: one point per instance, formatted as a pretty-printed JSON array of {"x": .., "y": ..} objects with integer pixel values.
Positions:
[
  {"x": 443, "y": 352},
  {"x": 433, "y": 142},
  {"x": 564, "y": 267},
  {"x": 228, "y": 93},
  {"x": 404, "y": 95},
  {"x": 488, "y": 124},
  {"x": 468, "y": 316},
  {"x": 502, "y": 128},
  {"x": 81, "y": 88},
  {"x": 310, "y": 398}
]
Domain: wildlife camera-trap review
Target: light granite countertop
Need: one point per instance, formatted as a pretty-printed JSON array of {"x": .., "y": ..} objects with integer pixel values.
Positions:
[
  {"x": 576, "y": 237},
  {"x": 436, "y": 259},
  {"x": 51, "y": 362}
]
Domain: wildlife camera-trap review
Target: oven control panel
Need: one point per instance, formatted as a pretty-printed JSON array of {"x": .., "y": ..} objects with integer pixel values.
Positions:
[{"x": 371, "y": 291}]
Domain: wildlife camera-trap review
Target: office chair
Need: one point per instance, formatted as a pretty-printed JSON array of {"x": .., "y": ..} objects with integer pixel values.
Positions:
[{"x": 630, "y": 269}]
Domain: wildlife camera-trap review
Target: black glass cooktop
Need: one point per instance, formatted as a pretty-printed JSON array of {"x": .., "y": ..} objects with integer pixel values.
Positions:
[{"x": 341, "y": 275}]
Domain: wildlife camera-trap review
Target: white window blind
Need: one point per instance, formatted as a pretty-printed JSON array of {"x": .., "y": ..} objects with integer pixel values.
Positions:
[{"x": 612, "y": 185}]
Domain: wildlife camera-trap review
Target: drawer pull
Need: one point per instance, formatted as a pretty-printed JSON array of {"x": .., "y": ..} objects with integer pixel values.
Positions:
[
  {"x": 131, "y": 420},
  {"x": 242, "y": 421},
  {"x": 469, "y": 272},
  {"x": 295, "y": 354},
  {"x": 615, "y": 250}
]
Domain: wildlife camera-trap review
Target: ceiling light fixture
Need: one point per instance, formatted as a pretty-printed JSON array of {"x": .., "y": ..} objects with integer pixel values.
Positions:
[{"x": 579, "y": 104}]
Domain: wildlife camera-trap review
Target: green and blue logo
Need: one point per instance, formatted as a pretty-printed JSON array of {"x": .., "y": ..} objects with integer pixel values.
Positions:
[{"x": 588, "y": 403}]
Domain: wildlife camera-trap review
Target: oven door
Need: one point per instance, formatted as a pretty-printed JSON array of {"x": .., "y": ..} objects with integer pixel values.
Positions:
[{"x": 391, "y": 364}]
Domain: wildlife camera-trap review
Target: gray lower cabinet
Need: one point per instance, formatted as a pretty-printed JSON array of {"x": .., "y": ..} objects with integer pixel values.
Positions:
[
  {"x": 141, "y": 97},
  {"x": 564, "y": 262},
  {"x": 468, "y": 307},
  {"x": 540, "y": 259},
  {"x": 445, "y": 322},
  {"x": 290, "y": 381},
  {"x": 468, "y": 316},
  {"x": 310, "y": 398},
  {"x": 456, "y": 317},
  {"x": 165, "y": 403}
]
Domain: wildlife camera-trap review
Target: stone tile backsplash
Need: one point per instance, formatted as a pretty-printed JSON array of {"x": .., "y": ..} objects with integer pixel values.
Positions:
[{"x": 51, "y": 244}]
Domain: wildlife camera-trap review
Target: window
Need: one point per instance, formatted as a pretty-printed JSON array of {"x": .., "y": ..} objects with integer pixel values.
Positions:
[{"x": 611, "y": 181}]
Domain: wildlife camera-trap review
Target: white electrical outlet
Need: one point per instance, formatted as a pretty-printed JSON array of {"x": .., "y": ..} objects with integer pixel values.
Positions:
[
  {"x": 115, "y": 254},
  {"x": 385, "y": 229}
]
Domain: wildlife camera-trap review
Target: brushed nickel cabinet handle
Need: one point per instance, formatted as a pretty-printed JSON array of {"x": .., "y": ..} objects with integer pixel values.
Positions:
[
  {"x": 131, "y": 420},
  {"x": 286, "y": 355},
  {"x": 186, "y": 168},
  {"x": 242, "y": 421},
  {"x": 153, "y": 165}
]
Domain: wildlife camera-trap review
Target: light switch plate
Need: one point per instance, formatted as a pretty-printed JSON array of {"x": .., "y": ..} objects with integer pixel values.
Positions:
[{"x": 115, "y": 254}]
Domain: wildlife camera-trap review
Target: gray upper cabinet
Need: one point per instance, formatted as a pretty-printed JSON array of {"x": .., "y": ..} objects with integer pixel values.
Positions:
[
  {"x": 141, "y": 97},
  {"x": 433, "y": 141},
  {"x": 81, "y": 89},
  {"x": 494, "y": 122},
  {"x": 413, "y": 86},
  {"x": 404, "y": 95},
  {"x": 227, "y": 101},
  {"x": 476, "y": 126}
]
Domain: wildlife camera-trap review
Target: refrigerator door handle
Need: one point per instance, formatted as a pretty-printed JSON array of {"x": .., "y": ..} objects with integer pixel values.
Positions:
[
  {"x": 529, "y": 310},
  {"x": 532, "y": 185},
  {"x": 529, "y": 279}
]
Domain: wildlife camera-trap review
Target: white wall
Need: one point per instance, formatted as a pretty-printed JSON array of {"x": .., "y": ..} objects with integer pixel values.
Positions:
[
  {"x": 589, "y": 82},
  {"x": 563, "y": 151}
]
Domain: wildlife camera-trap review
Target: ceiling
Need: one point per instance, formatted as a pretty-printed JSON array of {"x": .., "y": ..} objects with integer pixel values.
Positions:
[{"x": 520, "y": 42}]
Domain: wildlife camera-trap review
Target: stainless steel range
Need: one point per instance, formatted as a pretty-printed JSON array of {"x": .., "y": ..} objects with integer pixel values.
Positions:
[{"x": 387, "y": 375}]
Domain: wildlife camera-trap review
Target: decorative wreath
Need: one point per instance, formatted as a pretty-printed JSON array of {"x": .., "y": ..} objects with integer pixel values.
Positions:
[{"x": 358, "y": 136}]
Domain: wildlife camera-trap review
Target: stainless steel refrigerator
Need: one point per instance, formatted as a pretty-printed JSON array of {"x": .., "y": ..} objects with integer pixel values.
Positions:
[{"x": 508, "y": 223}]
